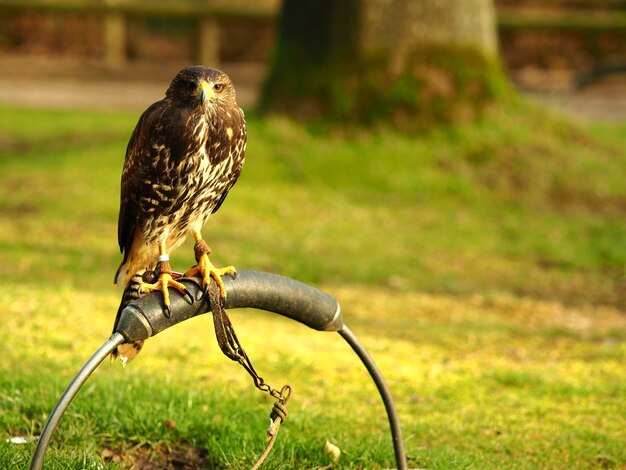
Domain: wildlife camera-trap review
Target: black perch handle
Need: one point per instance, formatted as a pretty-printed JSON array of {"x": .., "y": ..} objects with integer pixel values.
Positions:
[{"x": 271, "y": 292}]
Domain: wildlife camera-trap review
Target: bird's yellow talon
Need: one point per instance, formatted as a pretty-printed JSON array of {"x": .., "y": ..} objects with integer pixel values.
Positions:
[
  {"x": 217, "y": 275},
  {"x": 207, "y": 271},
  {"x": 165, "y": 280}
]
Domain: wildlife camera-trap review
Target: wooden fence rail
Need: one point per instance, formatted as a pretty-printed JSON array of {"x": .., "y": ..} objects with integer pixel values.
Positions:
[
  {"x": 115, "y": 13},
  {"x": 573, "y": 15}
]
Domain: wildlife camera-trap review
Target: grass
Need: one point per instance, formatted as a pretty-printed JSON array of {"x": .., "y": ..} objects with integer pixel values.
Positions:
[{"x": 481, "y": 265}]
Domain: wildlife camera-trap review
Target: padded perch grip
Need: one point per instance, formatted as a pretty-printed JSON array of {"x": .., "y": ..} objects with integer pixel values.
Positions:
[{"x": 250, "y": 289}]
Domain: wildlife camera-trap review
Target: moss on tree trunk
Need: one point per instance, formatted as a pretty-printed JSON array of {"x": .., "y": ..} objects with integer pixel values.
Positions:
[{"x": 325, "y": 68}]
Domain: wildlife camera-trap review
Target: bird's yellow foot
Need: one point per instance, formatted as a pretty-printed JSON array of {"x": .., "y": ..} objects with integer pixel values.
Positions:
[
  {"x": 164, "y": 281},
  {"x": 206, "y": 270}
]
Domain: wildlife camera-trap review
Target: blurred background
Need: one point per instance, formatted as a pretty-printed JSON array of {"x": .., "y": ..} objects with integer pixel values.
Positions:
[
  {"x": 565, "y": 53},
  {"x": 452, "y": 171}
]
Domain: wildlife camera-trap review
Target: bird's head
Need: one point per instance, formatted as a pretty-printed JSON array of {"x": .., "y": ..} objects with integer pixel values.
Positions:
[{"x": 200, "y": 86}]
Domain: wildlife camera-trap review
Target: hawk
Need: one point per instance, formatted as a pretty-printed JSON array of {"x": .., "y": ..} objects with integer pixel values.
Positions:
[{"x": 183, "y": 157}]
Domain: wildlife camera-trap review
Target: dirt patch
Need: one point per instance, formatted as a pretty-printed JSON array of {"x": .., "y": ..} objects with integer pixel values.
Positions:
[
  {"x": 603, "y": 100},
  {"x": 70, "y": 83},
  {"x": 177, "y": 456}
]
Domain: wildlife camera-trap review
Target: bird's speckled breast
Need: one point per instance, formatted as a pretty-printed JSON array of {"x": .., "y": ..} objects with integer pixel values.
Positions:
[{"x": 182, "y": 192}]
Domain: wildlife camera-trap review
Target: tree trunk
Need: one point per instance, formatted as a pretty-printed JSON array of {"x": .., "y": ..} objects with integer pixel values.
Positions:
[
  {"x": 408, "y": 62},
  {"x": 398, "y": 25}
]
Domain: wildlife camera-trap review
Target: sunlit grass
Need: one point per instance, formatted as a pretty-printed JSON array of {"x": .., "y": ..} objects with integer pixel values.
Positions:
[
  {"x": 500, "y": 382},
  {"x": 482, "y": 267},
  {"x": 524, "y": 211}
]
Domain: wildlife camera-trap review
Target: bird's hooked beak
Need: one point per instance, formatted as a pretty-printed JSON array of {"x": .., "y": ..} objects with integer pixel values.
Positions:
[{"x": 205, "y": 92}]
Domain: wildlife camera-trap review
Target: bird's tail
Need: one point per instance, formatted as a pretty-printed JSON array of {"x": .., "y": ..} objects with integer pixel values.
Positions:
[{"x": 128, "y": 351}]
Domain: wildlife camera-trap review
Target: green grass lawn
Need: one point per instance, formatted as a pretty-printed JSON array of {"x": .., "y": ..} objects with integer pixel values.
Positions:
[{"x": 482, "y": 265}]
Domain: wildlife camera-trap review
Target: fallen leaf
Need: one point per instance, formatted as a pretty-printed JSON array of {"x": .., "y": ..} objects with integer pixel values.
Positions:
[{"x": 333, "y": 450}]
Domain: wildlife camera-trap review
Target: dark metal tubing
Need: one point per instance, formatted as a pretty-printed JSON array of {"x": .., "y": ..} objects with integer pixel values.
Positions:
[
  {"x": 394, "y": 422},
  {"x": 253, "y": 289},
  {"x": 69, "y": 394}
]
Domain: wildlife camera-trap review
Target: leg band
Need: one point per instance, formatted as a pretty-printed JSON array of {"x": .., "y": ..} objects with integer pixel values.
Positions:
[{"x": 201, "y": 248}]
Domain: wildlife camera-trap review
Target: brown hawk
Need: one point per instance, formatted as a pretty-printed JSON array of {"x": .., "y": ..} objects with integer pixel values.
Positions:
[{"x": 184, "y": 155}]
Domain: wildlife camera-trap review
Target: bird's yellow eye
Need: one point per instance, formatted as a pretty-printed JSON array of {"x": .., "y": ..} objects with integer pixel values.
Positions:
[{"x": 218, "y": 87}]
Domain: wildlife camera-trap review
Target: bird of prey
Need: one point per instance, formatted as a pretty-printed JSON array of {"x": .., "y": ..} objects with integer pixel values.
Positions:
[{"x": 183, "y": 157}]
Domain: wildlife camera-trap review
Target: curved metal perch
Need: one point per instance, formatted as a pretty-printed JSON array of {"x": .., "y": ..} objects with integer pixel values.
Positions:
[{"x": 253, "y": 289}]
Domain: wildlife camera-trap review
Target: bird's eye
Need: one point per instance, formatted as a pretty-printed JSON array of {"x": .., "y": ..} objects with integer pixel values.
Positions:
[
  {"x": 218, "y": 87},
  {"x": 190, "y": 86}
]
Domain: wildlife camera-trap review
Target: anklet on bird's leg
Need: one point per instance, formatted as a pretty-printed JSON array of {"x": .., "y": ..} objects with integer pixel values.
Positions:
[{"x": 207, "y": 270}]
